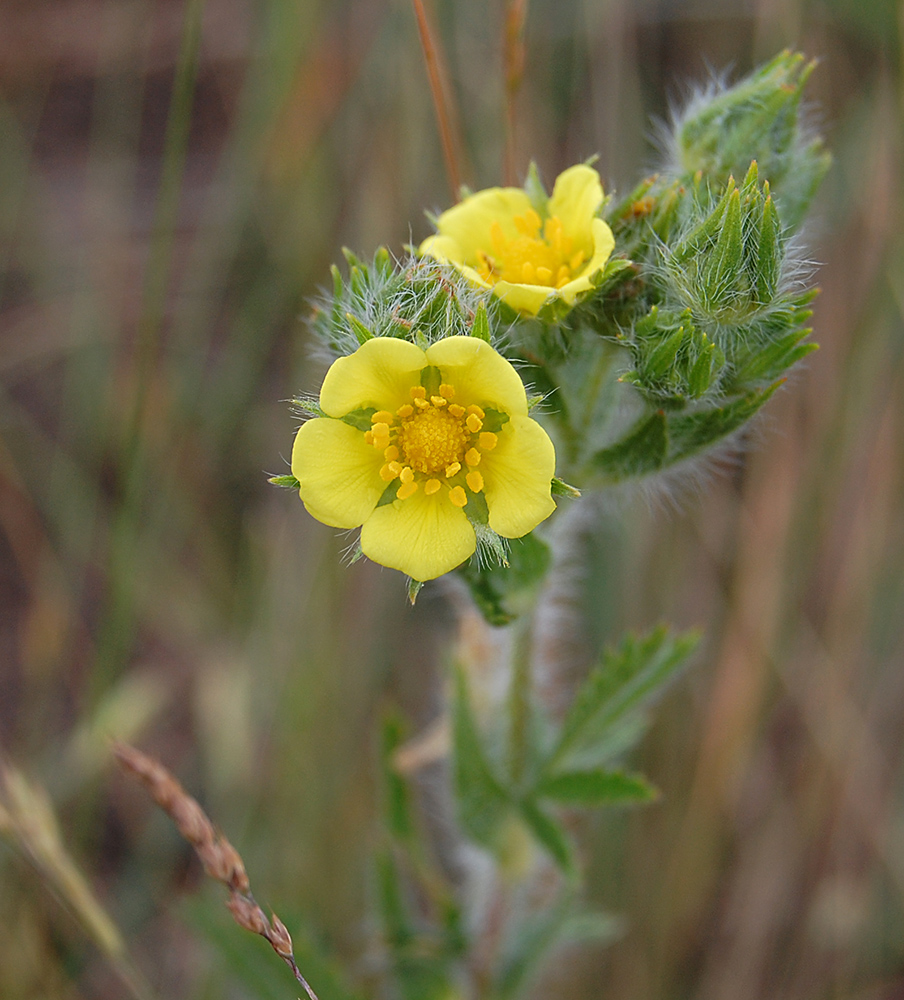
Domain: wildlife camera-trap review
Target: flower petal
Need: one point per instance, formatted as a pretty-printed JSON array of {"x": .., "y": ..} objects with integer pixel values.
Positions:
[
  {"x": 603, "y": 245},
  {"x": 468, "y": 223},
  {"x": 480, "y": 374},
  {"x": 517, "y": 477},
  {"x": 528, "y": 299},
  {"x": 339, "y": 473},
  {"x": 379, "y": 374},
  {"x": 423, "y": 536},
  {"x": 576, "y": 198}
]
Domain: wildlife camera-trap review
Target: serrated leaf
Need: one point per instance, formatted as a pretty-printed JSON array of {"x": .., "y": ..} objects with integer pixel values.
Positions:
[
  {"x": 596, "y": 788},
  {"x": 691, "y": 433},
  {"x": 628, "y": 676},
  {"x": 481, "y": 799},
  {"x": 640, "y": 453},
  {"x": 549, "y": 834}
]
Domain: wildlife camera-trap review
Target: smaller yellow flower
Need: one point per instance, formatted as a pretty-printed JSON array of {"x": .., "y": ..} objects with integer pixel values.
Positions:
[
  {"x": 415, "y": 443},
  {"x": 498, "y": 240}
]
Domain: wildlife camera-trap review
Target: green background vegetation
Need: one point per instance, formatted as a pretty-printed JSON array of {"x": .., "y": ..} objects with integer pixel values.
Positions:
[{"x": 175, "y": 181}]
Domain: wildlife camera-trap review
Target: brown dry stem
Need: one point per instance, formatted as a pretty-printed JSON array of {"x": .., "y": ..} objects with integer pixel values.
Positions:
[{"x": 220, "y": 859}]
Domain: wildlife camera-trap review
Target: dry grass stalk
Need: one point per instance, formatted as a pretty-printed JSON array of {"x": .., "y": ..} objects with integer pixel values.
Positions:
[{"x": 220, "y": 859}]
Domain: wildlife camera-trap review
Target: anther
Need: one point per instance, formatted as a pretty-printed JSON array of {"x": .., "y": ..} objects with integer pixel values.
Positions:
[
  {"x": 405, "y": 411},
  {"x": 474, "y": 423},
  {"x": 452, "y": 469},
  {"x": 382, "y": 417},
  {"x": 472, "y": 457},
  {"x": 447, "y": 391},
  {"x": 391, "y": 453},
  {"x": 527, "y": 272},
  {"x": 474, "y": 408},
  {"x": 458, "y": 496},
  {"x": 432, "y": 486},
  {"x": 406, "y": 490},
  {"x": 418, "y": 392},
  {"x": 368, "y": 437},
  {"x": 487, "y": 440},
  {"x": 420, "y": 403},
  {"x": 438, "y": 401},
  {"x": 474, "y": 480},
  {"x": 387, "y": 474},
  {"x": 407, "y": 474},
  {"x": 544, "y": 275},
  {"x": 456, "y": 410}
]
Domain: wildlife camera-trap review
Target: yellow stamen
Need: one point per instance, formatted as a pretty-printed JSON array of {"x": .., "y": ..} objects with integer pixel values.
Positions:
[
  {"x": 453, "y": 469},
  {"x": 406, "y": 490},
  {"x": 391, "y": 453},
  {"x": 474, "y": 480},
  {"x": 472, "y": 457},
  {"x": 438, "y": 401},
  {"x": 405, "y": 411},
  {"x": 458, "y": 496},
  {"x": 407, "y": 474},
  {"x": 387, "y": 474},
  {"x": 447, "y": 391},
  {"x": 395, "y": 468},
  {"x": 474, "y": 423},
  {"x": 421, "y": 404},
  {"x": 544, "y": 276},
  {"x": 528, "y": 272},
  {"x": 456, "y": 410},
  {"x": 474, "y": 408},
  {"x": 487, "y": 440},
  {"x": 418, "y": 392},
  {"x": 382, "y": 417},
  {"x": 368, "y": 437},
  {"x": 432, "y": 486}
]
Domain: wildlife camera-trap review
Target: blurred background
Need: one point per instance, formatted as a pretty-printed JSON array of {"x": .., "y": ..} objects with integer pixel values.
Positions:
[{"x": 175, "y": 180}]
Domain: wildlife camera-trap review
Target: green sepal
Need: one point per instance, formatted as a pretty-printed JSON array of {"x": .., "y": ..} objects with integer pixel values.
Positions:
[
  {"x": 481, "y": 327},
  {"x": 772, "y": 360},
  {"x": 476, "y": 509},
  {"x": 769, "y": 256},
  {"x": 494, "y": 420},
  {"x": 724, "y": 262},
  {"x": 310, "y": 406},
  {"x": 559, "y": 488},
  {"x": 288, "y": 482},
  {"x": 661, "y": 359},
  {"x": 431, "y": 379},
  {"x": 414, "y": 588},
  {"x": 596, "y": 787},
  {"x": 535, "y": 191},
  {"x": 389, "y": 494},
  {"x": 362, "y": 334},
  {"x": 360, "y": 419}
]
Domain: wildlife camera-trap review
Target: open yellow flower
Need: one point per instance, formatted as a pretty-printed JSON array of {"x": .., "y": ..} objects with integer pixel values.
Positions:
[
  {"x": 498, "y": 240},
  {"x": 416, "y": 444}
]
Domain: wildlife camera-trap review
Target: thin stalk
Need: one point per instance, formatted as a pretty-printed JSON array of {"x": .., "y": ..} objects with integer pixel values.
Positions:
[
  {"x": 513, "y": 58},
  {"x": 519, "y": 702},
  {"x": 441, "y": 103},
  {"x": 117, "y": 628}
]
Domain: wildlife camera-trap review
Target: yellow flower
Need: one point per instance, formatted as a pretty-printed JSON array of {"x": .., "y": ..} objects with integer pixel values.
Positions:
[
  {"x": 415, "y": 442},
  {"x": 497, "y": 240}
]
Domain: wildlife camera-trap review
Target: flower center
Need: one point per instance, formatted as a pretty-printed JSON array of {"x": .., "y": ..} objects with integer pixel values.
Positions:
[
  {"x": 432, "y": 442},
  {"x": 541, "y": 253},
  {"x": 433, "y": 439}
]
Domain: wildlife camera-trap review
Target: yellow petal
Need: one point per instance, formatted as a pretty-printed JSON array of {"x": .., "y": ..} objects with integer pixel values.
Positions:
[
  {"x": 603, "y": 245},
  {"x": 441, "y": 248},
  {"x": 468, "y": 223},
  {"x": 339, "y": 473},
  {"x": 480, "y": 374},
  {"x": 576, "y": 198},
  {"x": 379, "y": 374},
  {"x": 528, "y": 299},
  {"x": 517, "y": 476},
  {"x": 423, "y": 536}
]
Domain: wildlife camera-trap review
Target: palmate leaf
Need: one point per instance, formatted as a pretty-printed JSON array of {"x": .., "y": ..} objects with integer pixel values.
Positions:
[{"x": 627, "y": 677}]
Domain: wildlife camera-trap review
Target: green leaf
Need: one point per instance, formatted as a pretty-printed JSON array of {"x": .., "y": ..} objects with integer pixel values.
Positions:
[
  {"x": 481, "y": 327},
  {"x": 693, "y": 432},
  {"x": 628, "y": 676},
  {"x": 595, "y": 788},
  {"x": 481, "y": 799},
  {"x": 549, "y": 834},
  {"x": 643, "y": 451}
]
